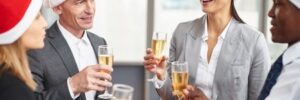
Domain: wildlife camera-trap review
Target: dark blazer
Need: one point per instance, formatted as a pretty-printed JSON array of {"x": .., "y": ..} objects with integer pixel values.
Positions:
[
  {"x": 52, "y": 65},
  {"x": 12, "y": 88}
]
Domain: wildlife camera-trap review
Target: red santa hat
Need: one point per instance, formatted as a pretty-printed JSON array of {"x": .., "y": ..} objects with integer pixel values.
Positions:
[
  {"x": 296, "y": 3},
  {"x": 52, "y": 3},
  {"x": 16, "y": 17}
]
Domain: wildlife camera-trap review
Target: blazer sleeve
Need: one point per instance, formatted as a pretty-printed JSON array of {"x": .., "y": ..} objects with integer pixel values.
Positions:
[
  {"x": 165, "y": 92},
  {"x": 259, "y": 69},
  {"x": 58, "y": 92}
]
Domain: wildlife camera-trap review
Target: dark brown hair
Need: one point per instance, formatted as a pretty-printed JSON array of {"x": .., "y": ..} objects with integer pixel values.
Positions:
[{"x": 234, "y": 13}]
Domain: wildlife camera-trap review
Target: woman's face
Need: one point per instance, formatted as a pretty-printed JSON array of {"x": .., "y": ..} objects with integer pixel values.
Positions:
[
  {"x": 33, "y": 38},
  {"x": 213, "y": 6}
]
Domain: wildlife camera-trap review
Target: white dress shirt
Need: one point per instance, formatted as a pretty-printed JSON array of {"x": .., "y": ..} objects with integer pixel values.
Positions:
[
  {"x": 206, "y": 71},
  {"x": 287, "y": 86},
  {"x": 83, "y": 54}
]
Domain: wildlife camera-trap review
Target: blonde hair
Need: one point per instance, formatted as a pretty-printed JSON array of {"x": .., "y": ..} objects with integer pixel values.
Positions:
[{"x": 14, "y": 59}]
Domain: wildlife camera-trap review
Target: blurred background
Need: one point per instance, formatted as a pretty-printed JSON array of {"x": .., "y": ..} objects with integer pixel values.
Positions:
[{"x": 127, "y": 25}]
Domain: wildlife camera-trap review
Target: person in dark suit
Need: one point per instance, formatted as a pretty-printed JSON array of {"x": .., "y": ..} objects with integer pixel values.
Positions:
[
  {"x": 67, "y": 67},
  {"x": 22, "y": 27}
]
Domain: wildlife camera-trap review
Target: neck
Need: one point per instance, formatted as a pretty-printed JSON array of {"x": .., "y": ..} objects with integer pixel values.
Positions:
[
  {"x": 218, "y": 21},
  {"x": 77, "y": 32}
]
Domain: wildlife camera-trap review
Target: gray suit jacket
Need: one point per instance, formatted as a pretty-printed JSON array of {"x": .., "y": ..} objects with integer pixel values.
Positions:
[
  {"x": 52, "y": 65},
  {"x": 242, "y": 65}
]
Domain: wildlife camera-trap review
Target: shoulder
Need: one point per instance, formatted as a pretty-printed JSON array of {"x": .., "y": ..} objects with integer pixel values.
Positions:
[
  {"x": 185, "y": 27},
  {"x": 248, "y": 32},
  {"x": 12, "y": 88},
  {"x": 94, "y": 37},
  {"x": 189, "y": 24}
]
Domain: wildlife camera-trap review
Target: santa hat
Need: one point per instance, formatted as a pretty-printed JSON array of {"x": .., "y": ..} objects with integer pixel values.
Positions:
[
  {"x": 296, "y": 3},
  {"x": 52, "y": 3},
  {"x": 16, "y": 17}
]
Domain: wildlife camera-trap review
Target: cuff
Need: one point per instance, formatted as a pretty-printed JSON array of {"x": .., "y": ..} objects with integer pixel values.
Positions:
[
  {"x": 73, "y": 96},
  {"x": 159, "y": 83}
]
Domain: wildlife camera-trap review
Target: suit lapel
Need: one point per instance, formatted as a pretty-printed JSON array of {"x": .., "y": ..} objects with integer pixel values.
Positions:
[
  {"x": 192, "y": 47},
  {"x": 95, "y": 42},
  {"x": 61, "y": 46},
  {"x": 227, "y": 52}
]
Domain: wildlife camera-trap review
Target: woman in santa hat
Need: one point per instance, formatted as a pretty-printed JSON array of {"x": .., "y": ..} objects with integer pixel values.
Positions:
[{"x": 22, "y": 28}]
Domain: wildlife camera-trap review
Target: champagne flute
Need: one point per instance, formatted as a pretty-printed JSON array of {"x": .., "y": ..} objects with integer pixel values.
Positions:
[
  {"x": 105, "y": 57},
  {"x": 180, "y": 77},
  {"x": 122, "y": 92},
  {"x": 159, "y": 40}
]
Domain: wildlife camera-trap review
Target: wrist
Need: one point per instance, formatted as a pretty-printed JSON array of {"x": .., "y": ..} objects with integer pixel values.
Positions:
[
  {"x": 73, "y": 86},
  {"x": 161, "y": 76}
]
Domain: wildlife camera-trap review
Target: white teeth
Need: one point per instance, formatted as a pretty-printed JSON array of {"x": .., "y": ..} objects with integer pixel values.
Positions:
[{"x": 206, "y": 0}]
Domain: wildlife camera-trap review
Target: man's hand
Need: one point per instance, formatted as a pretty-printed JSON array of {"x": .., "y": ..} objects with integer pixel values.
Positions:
[
  {"x": 90, "y": 78},
  {"x": 193, "y": 93}
]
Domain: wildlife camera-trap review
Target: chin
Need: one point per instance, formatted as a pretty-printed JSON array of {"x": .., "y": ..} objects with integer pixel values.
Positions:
[
  {"x": 207, "y": 10},
  {"x": 277, "y": 40},
  {"x": 39, "y": 46},
  {"x": 204, "y": 10},
  {"x": 87, "y": 27}
]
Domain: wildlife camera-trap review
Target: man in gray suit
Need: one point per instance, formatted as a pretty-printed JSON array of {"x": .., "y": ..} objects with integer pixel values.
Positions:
[{"x": 66, "y": 68}]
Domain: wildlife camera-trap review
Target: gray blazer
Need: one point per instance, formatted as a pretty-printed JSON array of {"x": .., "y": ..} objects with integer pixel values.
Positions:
[
  {"x": 242, "y": 65},
  {"x": 52, "y": 65}
]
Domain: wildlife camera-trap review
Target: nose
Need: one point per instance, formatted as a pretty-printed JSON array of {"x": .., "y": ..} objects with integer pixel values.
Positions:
[
  {"x": 90, "y": 7},
  {"x": 271, "y": 13}
]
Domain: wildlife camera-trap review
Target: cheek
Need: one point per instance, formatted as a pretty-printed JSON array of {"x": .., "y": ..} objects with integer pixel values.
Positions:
[
  {"x": 27, "y": 40},
  {"x": 32, "y": 38}
]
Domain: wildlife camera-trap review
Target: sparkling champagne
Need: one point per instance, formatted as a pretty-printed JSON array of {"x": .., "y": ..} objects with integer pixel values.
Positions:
[
  {"x": 106, "y": 60},
  {"x": 179, "y": 82},
  {"x": 158, "y": 47}
]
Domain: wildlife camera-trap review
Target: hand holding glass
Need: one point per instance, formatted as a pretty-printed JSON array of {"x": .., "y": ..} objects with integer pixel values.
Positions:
[
  {"x": 158, "y": 46},
  {"x": 180, "y": 78},
  {"x": 105, "y": 57}
]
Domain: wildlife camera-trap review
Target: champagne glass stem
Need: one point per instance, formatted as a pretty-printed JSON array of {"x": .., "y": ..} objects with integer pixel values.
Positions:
[{"x": 105, "y": 95}]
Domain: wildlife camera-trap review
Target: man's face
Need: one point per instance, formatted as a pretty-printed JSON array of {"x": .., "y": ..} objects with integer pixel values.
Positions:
[
  {"x": 77, "y": 14},
  {"x": 285, "y": 22}
]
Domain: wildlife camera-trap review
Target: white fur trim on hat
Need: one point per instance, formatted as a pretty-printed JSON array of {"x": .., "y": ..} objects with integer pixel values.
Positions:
[
  {"x": 296, "y": 3},
  {"x": 15, "y": 32},
  {"x": 52, "y": 3}
]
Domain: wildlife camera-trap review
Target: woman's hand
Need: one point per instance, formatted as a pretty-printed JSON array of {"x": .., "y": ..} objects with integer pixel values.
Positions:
[
  {"x": 193, "y": 93},
  {"x": 150, "y": 62}
]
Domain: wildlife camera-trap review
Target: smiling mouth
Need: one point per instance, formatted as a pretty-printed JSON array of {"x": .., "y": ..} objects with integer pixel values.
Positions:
[
  {"x": 206, "y": 1},
  {"x": 86, "y": 18},
  {"x": 273, "y": 23}
]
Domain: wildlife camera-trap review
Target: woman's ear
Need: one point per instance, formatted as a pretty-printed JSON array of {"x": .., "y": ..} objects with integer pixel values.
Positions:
[{"x": 57, "y": 10}]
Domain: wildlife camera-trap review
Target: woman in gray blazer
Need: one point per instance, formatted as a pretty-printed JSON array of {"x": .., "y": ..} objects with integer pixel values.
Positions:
[{"x": 227, "y": 59}]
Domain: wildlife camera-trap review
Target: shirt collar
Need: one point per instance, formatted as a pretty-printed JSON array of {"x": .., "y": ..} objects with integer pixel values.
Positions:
[
  {"x": 70, "y": 38},
  {"x": 223, "y": 34},
  {"x": 291, "y": 54}
]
